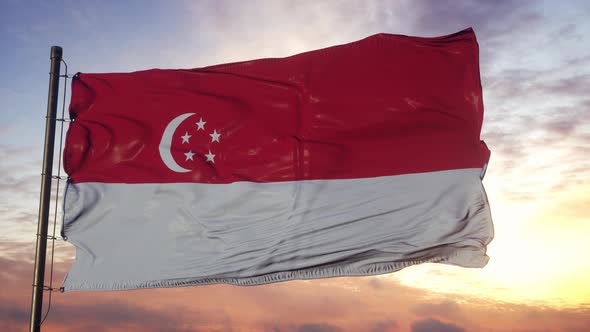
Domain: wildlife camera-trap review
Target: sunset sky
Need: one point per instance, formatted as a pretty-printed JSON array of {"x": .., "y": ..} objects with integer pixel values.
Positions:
[{"x": 535, "y": 70}]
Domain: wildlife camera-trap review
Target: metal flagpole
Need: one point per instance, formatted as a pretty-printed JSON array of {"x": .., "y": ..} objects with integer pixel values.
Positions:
[{"x": 38, "y": 282}]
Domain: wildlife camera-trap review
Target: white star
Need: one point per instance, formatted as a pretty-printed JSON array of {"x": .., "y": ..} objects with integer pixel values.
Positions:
[
  {"x": 215, "y": 136},
  {"x": 201, "y": 124},
  {"x": 189, "y": 155},
  {"x": 185, "y": 137},
  {"x": 210, "y": 157}
]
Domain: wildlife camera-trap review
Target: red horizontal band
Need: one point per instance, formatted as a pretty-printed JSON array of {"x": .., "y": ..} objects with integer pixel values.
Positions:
[{"x": 384, "y": 105}]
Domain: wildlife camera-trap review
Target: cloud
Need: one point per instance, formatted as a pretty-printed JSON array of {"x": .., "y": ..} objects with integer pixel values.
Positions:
[
  {"x": 19, "y": 192},
  {"x": 517, "y": 86},
  {"x": 435, "y": 15},
  {"x": 541, "y": 155},
  {"x": 341, "y": 304},
  {"x": 576, "y": 330},
  {"x": 106, "y": 315},
  {"x": 318, "y": 327},
  {"x": 320, "y": 24},
  {"x": 121, "y": 315},
  {"x": 11, "y": 314},
  {"x": 433, "y": 325},
  {"x": 447, "y": 309},
  {"x": 14, "y": 271},
  {"x": 308, "y": 25},
  {"x": 384, "y": 326},
  {"x": 496, "y": 41}
]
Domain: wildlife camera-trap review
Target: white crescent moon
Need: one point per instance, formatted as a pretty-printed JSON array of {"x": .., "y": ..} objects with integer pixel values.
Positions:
[{"x": 166, "y": 144}]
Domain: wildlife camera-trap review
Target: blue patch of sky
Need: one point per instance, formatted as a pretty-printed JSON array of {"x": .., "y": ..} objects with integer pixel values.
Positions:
[{"x": 101, "y": 36}]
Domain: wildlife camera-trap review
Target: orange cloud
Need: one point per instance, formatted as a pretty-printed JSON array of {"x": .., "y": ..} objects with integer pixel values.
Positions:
[{"x": 374, "y": 304}]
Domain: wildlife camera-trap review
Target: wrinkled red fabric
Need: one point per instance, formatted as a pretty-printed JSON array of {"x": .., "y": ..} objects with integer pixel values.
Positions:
[{"x": 384, "y": 105}]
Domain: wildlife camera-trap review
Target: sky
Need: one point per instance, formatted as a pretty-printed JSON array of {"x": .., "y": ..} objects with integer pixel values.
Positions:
[{"x": 535, "y": 70}]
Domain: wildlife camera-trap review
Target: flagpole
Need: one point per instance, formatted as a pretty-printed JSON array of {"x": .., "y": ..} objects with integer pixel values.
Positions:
[{"x": 45, "y": 197}]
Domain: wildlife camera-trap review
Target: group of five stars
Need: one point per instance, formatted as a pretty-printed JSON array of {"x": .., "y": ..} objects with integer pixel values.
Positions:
[{"x": 214, "y": 138}]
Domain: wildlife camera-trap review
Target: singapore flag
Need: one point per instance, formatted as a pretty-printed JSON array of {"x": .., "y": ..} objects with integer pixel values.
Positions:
[{"x": 357, "y": 159}]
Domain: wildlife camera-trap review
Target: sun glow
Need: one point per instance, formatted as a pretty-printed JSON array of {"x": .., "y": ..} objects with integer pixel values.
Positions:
[{"x": 540, "y": 254}]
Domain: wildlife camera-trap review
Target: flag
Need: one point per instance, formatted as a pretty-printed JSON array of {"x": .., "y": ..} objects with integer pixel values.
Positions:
[{"x": 357, "y": 159}]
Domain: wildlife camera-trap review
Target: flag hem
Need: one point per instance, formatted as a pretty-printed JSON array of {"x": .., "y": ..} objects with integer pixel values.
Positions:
[{"x": 464, "y": 257}]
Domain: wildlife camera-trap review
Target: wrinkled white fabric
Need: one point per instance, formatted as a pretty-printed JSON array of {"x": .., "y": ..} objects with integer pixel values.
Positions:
[{"x": 131, "y": 236}]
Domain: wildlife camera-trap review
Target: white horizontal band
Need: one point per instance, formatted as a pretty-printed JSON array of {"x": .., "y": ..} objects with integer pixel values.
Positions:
[{"x": 175, "y": 234}]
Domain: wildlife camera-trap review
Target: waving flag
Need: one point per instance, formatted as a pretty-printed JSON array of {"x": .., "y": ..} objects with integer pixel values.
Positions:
[{"x": 357, "y": 159}]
